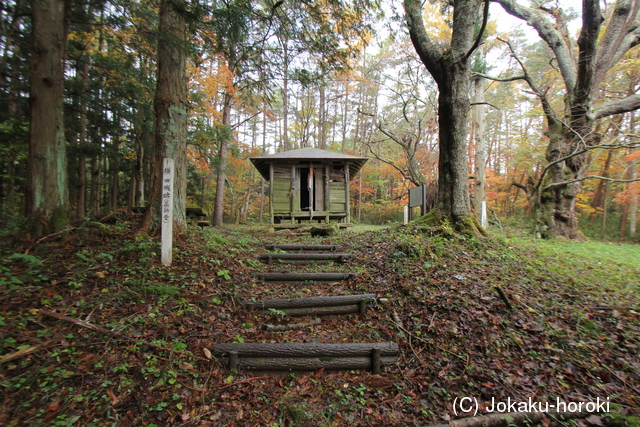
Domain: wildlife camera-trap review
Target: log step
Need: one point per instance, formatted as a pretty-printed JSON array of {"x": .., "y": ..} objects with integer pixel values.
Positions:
[
  {"x": 269, "y": 258},
  {"x": 308, "y": 356},
  {"x": 303, "y": 277},
  {"x": 297, "y": 248},
  {"x": 315, "y": 306}
]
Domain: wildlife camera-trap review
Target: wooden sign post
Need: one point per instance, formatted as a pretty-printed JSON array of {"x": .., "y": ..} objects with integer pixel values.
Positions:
[
  {"x": 483, "y": 215},
  {"x": 167, "y": 211},
  {"x": 418, "y": 197}
]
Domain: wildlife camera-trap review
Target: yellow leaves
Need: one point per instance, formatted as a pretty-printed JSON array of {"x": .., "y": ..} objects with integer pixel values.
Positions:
[
  {"x": 623, "y": 73},
  {"x": 87, "y": 40},
  {"x": 583, "y": 204},
  {"x": 436, "y": 22},
  {"x": 131, "y": 155}
]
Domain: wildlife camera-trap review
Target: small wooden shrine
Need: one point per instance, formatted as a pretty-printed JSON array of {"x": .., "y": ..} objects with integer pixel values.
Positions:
[{"x": 309, "y": 185}]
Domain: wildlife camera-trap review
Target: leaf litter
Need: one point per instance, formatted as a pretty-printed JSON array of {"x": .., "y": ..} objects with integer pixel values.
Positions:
[{"x": 566, "y": 338}]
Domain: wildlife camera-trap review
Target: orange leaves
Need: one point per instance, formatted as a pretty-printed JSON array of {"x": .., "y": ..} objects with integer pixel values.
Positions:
[
  {"x": 211, "y": 80},
  {"x": 198, "y": 161},
  {"x": 624, "y": 197},
  {"x": 635, "y": 156}
]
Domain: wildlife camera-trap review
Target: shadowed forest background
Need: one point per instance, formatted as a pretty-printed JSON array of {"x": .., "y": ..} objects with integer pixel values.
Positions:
[
  {"x": 539, "y": 121},
  {"x": 251, "y": 78}
]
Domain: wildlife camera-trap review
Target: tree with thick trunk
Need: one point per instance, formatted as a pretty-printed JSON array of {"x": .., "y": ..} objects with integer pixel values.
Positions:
[
  {"x": 47, "y": 198},
  {"x": 601, "y": 44},
  {"x": 450, "y": 66},
  {"x": 171, "y": 106},
  {"x": 480, "y": 168}
]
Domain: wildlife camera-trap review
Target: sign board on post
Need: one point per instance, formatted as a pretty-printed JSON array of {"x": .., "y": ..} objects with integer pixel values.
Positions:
[
  {"x": 418, "y": 197},
  {"x": 167, "y": 211}
]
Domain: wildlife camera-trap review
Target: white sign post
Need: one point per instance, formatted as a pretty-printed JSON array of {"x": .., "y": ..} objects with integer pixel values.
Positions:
[
  {"x": 406, "y": 214},
  {"x": 483, "y": 215},
  {"x": 167, "y": 211}
]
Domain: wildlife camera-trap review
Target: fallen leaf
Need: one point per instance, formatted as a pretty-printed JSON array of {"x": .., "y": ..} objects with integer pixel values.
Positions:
[
  {"x": 207, "y": 352},
  {"x": 594, "y": 420},
  {"x": 113, "y": 398},
  {"x": 54, "y": 406}
]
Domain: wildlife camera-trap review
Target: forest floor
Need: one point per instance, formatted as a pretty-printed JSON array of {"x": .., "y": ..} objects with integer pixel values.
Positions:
[{"x": 573, "y": 333}]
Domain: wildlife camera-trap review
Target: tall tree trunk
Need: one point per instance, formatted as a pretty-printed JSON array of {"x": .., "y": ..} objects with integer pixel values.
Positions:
[
  {"x": 563, "y": 183},
  {"x": 47, "y": 195},
  {"x": 82, "y": 158},
  {"x": 96, "y": 175},
  {"x": 633, "y": 207},
  {"x": 114, "y": 166},
  {"x": 599, "y": 197},
  {"x": 345, "y": 114},
  {"x": 218, "y": 209},
  {"x": 131, "y": 199},
  {"x": 171, "y": 106},
  {"x": 598, "y": 51},
  {"x": 264, "y": 151},
  {"x": 480, "y": 172},
  {"x": 11, "y": 50},
  {"x": 450, "y": 67},
  {"x": 453, "y": 174},
  {"x": 285, "y": 96},
  {"x": 322, "y": 119},
  {"x": 139, "y": 170}
]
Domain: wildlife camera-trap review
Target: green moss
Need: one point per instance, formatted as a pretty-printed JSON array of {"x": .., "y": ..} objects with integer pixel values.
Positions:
[
  {"x": 431, "y": 219},
  {"x": 58, "y": 219},
  {"x": 467, "y": 224}
]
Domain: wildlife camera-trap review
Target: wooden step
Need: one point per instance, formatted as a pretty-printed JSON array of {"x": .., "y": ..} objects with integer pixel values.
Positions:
[
  {"x": 289, "y": 226},
  {"x": 308, "y": 356},
  {"x": 297, "y": 248},
  {"x": 269, "y": 258},
  {"x": 315, "y": 306},
  {"x": 303, "y": 277}
]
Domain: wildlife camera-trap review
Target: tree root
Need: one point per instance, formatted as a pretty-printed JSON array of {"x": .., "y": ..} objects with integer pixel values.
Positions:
[{"x": 466, "y": 224}]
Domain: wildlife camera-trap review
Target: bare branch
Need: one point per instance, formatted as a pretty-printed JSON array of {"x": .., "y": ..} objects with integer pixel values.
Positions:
[
  {"x": 577, "y": 153},
  {"x": 485, "y": 19},
  {"x": 549, "y": 33},
  {"x": 485, "y": 103},
  {"x": 404, "y": 173},
  {"x": 624, "y": 105},
  {"x": 430, "y": 54},
  {"x": 546, "y": 105},
  {"x": 500, "y": 79},
  {"x": 622, "y": 33},
  {"x": 520, "y": 186},
  {"x": 604, "y": 178}
]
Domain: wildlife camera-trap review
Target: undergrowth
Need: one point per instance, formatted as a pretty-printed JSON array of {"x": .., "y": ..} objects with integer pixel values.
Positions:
[{"x": 573, "y": 332}]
